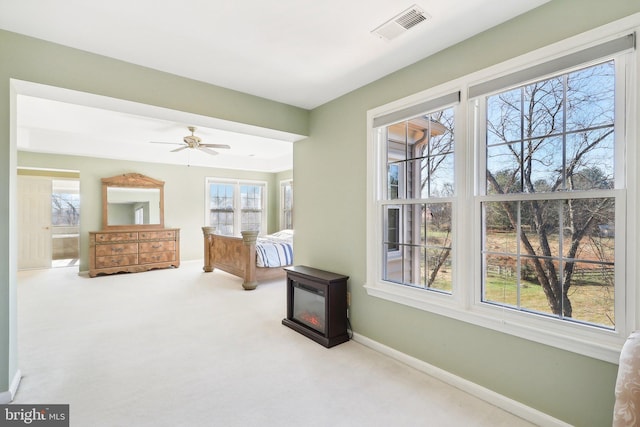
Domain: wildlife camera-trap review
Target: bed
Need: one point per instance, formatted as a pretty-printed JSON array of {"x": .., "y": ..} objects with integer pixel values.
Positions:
[{"x": 254, "y": 259}]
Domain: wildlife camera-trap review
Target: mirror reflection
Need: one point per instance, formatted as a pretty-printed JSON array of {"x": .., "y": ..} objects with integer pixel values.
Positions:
[{"x": 133, "y": 206}]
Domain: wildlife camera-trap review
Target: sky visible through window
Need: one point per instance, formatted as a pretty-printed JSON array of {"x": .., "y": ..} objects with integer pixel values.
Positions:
[{"x": 552, "y": 256}]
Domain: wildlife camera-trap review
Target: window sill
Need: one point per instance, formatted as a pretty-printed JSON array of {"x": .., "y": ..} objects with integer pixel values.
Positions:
[{"x": 582, "y": 339}]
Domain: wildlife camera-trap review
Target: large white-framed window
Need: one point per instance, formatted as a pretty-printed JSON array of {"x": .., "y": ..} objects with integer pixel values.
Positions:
[
  {"x": 529, "y": 232},
  {"x": 416, "y": 202},
  {"x": 551, "y": 180},
  {"x": 233, "y": 206}
]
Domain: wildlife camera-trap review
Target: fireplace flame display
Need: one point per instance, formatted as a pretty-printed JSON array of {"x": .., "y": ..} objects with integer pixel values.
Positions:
[{"x": 312, "y": 320}]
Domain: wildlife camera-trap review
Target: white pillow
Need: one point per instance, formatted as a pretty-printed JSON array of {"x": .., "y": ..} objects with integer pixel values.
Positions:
[{"x": 627, "y": 392}]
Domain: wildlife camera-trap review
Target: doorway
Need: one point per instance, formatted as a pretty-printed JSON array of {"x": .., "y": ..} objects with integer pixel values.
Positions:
[{"x": 48, "y": 219}]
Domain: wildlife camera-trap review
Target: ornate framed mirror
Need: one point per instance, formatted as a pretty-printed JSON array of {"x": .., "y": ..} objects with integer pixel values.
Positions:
[{"x": 132, "y": 201}]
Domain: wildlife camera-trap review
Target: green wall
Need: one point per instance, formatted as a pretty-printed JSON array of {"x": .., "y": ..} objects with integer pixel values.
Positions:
[
  {"x": 330, "y": 182},
  {"x": 184, "y": 194},
  {"x": 33, "y": 60},
  {"x": 330, "y": 186}
]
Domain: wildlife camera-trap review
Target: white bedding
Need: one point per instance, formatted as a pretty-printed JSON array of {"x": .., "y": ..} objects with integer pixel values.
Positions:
[{"x": 275, "y": 250}]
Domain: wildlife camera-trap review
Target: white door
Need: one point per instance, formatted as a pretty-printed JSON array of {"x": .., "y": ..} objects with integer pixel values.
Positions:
[{"x": 34, "y": 222}]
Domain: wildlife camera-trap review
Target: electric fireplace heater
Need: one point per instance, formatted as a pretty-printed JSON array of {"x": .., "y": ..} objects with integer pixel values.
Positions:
[{"x": 317, "y": 304}]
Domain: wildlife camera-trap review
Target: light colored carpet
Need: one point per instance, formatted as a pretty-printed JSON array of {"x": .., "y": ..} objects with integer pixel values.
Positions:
[{"x": 180, "y": 347}]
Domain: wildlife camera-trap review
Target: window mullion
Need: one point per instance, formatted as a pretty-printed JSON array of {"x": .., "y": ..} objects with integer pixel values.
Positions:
[
  {"x": 519, "y": 255},
  {"x": 577, "y": 154}
]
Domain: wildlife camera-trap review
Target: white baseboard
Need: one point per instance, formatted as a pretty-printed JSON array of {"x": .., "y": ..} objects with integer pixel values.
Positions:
[
  {"x": 7, "y": 396},
  {"x": 523, "y": 411}
]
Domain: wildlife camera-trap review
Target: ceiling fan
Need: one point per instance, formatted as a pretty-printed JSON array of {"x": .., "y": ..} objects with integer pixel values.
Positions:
[{"x": 192, "y": 141}]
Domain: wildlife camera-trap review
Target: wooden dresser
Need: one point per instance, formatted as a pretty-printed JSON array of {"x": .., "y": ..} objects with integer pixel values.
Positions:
[{"x": 133, "y": 251}]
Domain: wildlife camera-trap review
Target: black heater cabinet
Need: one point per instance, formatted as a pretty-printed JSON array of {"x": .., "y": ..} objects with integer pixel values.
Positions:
[{"x": 317, "y": 304}]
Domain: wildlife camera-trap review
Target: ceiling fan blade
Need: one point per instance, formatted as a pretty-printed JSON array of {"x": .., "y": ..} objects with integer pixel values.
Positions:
[
  {"x": 207, "y": 150},
  {"x": 179, "y": 149},
  {"x": 170, "y": 143},
  {"x": 215, "y": 145}
]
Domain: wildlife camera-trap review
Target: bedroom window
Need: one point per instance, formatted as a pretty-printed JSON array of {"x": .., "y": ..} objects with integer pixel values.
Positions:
[
  {"x": 286, "y": 205},
  {"x": 550, "y": 191},
  {"x": 417, "y": 204},
  {"x": 235, "y": 206},
  {"x": 251, "y": 206},
  {"x": 516, "y": 218}
]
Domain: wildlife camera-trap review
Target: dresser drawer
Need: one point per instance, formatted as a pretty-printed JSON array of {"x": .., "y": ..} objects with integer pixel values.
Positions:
[
  {"x": 133, "y": 250},
  {"x": 152, "y": 257},
  {"x": 116, "y": 261},
  {"x": 159, "y": 246},
  {"x": 117, "y": 249},
  {"x": 116, "y": 237},
  {"x": 162, "y": 234}
]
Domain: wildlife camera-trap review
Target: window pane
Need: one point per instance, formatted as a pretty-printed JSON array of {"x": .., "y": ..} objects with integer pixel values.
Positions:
[
  {"x": 251, "y": 197},
  {"x": 251, "y": 221},
  {"x": 537, "y": 270},
  {"x": 499, "y": 230},
  {"x": 437, "y": 176},
  {"x": 438, "y": 269},
  {"x": 229, "y": 219},
  {"x": 592, "y": 293},
  {"x": 542, "y": 165},
  {"x": 437, "y": 219},
  {"x": 65, "y": 209},
  {"x": 393, "y": 191},
  {"x": 556, "y": 134},
  {"x": 500, "y": 282},
  {"x": 417, "y": 236},
  {"x": 591, "y": 97},
  {"x": 504, "y": 117},
  {"x": 392, "y": 228},
  {"x": 288, "y": 220},
  {"x": 503, "y": 169},
  {"x": 221, "y": 196},
  {"x": 437, "y": 246},
  {"x": 251, "y": 207},
  {"x": 592, "y": 160},
  {"x": 222, "y": 221},
  {"x": 397, "y": 155},
  {"x": 532, "y": 292},
  {"x": 286, "y": 191},
  {"x": 221, "y": 208},
  {"x": 540, "y": 227},
  {"x": 568, "y": 131},
  {"x": 288, "y": 200},
  {"x": 392, "y": 264},
  {"x": 543, "y": 110}
]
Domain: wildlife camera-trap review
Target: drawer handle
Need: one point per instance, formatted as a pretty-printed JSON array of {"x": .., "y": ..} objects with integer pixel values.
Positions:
[
  {"x": 156, "y": 246},
  {"x": 117, "y": 250}
]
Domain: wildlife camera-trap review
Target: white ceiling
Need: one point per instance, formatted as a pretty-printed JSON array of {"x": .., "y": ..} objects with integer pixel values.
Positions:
[
  {"x": 300, "y": 52},
  {"x": 60, "y": 121}
]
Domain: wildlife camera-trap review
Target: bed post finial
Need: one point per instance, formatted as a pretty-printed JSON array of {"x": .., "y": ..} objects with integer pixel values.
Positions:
[
  {"x": 208, "y": 237},
  {"x": 249, "y": 239}
]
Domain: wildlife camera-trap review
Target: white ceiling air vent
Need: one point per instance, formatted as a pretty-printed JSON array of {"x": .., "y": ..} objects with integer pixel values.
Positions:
[{"x": 401, "y": 23}]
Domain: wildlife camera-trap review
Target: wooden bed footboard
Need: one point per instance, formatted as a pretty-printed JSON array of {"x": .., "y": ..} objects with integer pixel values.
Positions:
[{"x": 237, "y": 256}]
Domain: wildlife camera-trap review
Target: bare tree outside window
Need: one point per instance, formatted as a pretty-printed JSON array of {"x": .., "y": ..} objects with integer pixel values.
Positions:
[
  {"x": 221, "y": 207},
  {"x": 65, "y": 209},
  {"x": 420, "y": 185},
  {"x": 549, "y": 231}
]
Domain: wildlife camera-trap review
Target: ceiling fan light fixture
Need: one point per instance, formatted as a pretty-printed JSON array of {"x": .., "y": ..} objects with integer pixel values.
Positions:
[
  {"x": 191, "y": 140},
  {"x": 195, "y": 142}
]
